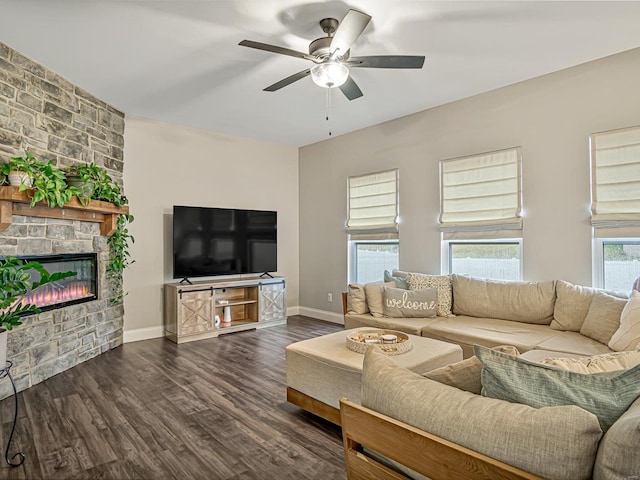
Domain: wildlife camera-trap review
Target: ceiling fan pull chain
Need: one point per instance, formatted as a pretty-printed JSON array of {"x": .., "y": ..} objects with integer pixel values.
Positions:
[{"x": 328, "y": 98}]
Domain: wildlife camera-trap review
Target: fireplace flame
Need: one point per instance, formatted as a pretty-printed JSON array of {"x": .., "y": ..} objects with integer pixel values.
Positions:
[{"x": 57, "y": 293}]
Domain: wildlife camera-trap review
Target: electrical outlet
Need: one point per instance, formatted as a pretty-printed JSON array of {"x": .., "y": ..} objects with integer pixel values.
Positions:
[{"x": 330, "y": 297}]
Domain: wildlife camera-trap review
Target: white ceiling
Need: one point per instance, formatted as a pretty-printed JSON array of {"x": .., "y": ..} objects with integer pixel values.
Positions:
[{"x": 178, "y": 60}]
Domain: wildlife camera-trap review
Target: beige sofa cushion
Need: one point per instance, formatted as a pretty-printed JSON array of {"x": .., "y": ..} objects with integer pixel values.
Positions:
[
  {"x": 572, "y": 305},
  {"x": 489, "y": 332},
  {"x": 528, "y": 302},
  {"x": 442, "y": 283},
  {"x": 572, "y": 342},
  {"x": 606, "y": 362},
  {"x": 628, "y": 334},
  {"x": 357, "y": 299},
  {"x": 374, "y": 294},
  {"x": 603, "y": 317},
  {"x": 618, "y": 455},
  {"x": 527, "y": 438},
  {"x": 413, "y": 326},
  {"x": 466, "y": 374}
]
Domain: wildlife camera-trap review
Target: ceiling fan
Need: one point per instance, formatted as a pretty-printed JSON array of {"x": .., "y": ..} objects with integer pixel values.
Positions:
[{"x": 331, "y": 56}]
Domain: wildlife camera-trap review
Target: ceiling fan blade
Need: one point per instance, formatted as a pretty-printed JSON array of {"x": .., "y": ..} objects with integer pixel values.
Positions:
[
  {"x": 275, "y": 49},
  {"x": 350, "y": 89},
  {"x": 387, "y": 61},
  {"x": 288, "y": 81},
  {"x": 351, "y": 27}
]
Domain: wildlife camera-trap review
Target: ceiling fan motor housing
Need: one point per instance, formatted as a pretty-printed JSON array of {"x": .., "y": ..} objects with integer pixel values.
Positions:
[{"x": 320, "y": 48}]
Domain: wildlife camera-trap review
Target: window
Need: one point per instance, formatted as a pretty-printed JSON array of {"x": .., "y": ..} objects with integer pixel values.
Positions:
[
  {"x": 371, "y": 259},
  {"x": 615, "y": 207},
  {"x": 480, "y": 215},
  {"x": 618, "y": 262},
  {"x": 372, "y": 225},
  {"x": 496, "y": 260}
]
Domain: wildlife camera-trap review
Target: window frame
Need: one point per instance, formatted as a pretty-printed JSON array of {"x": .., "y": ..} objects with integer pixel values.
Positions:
[
  {"x": 352, "y": 255},
  {"x": 598, "y": 256},
  {"x": 446, "y": 251}
]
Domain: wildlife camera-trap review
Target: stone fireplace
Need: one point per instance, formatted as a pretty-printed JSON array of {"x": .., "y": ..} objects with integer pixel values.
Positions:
[{"x": 59, "y": 121}]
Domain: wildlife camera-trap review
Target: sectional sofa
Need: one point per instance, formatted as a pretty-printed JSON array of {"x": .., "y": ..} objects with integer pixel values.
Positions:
[
  {"x": 546, "y": 318},
  {"x": 443, "y": 425}
]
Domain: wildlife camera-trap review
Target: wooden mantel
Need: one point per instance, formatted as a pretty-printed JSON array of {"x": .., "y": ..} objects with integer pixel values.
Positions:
[{"x": 15, "y": 202}]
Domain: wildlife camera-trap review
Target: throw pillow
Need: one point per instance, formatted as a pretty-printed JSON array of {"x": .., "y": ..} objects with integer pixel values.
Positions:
[
  {"x": 373, "y": 292},
  {"x": 356, "y": 299},
  {"x": 518, "y": 381},
  {"x": 465, "y": 375},
  {"x": 400, "y": 303},
  {"x": 603, "y": 317},
  {"x": 399, "y": 273},
  {"x": 571, "y": 306},
  {"x": 628, "y": 334},
  {"x": 399, "y": 281},
  {"x": 442, "y": 283},
  {"x": 606, "y": 362}
]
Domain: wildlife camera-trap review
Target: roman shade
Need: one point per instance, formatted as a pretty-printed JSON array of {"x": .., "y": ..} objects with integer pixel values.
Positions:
[
  {"x": 373, "y": 206},
  {"x": 481, "y": 196},
  {"x": 615, "y": 183}
]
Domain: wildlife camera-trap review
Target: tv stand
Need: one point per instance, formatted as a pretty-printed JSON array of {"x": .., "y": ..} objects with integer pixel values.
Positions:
[
  {"x": 186, "y": 280},
  {"x": 191, "y": 309},
  {"x": 266, "y": 274}
]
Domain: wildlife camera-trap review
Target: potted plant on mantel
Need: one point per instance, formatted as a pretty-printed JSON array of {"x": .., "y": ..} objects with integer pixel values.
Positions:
[
  {"x": 15, "y": 285},
  {"x": 83, "y": 176},
  {"x": 21, "y": 170}
]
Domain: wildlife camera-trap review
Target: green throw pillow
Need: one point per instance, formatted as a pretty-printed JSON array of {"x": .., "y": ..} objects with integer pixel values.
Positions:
[
  {"x": 400, "y": 282},
  {"x": 607, "y": 395}
]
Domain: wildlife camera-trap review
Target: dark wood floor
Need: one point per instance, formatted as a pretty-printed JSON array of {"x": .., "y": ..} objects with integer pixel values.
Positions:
[{"x": 212, "y": 409}]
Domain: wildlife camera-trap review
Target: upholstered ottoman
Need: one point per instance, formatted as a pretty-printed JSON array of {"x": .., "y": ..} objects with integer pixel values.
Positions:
[{"x": 322, "y": 370}]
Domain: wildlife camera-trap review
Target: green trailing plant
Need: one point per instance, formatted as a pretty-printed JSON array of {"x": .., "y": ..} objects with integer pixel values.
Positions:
[
  {"x": 83, "y": 176},
  {"x": 119, "y": 254},
  {"x": 50, "y": 185},
  {"x": 107, "y": 190},
  {"x": 16, "y": 283},
  {"x": 27, "y": 164}
]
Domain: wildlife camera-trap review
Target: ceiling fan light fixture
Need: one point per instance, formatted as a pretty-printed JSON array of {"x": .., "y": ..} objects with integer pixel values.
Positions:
[{"x": 329, "y": 74}]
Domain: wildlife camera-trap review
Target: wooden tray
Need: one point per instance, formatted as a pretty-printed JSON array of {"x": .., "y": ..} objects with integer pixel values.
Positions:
[{"x": 356, "y": 341}]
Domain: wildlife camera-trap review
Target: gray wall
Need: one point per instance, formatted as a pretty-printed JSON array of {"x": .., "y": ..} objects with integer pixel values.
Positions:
[
  {"x": 551, "y": 117},
  {"x": 56, "y": 120},
  {"x": 175, "y": 165}
]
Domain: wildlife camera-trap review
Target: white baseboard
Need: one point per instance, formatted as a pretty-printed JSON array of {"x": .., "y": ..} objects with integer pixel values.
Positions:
[
  {"x": 142, "y": 334},
  {"x": 322, "y": 315},
  {"x": 158, "y": 332}
]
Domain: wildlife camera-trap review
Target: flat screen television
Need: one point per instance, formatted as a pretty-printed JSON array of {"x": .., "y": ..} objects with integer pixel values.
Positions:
[{"x": 223, "y": 241}]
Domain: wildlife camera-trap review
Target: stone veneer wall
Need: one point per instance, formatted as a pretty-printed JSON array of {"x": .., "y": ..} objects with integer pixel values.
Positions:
[{"x": 56, "y": 120}]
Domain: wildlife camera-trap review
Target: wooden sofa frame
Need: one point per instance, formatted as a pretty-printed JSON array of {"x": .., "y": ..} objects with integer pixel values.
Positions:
[{"x": 427, "y": 454}]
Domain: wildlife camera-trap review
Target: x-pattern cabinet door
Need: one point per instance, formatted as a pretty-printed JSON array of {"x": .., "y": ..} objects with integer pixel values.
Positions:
[
  {"x": 273, "y": 301},
  {"x": 196, "y": 312}
]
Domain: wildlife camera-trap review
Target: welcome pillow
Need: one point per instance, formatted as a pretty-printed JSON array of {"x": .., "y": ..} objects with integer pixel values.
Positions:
[{"x": 398, "y": 303}]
